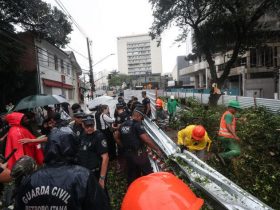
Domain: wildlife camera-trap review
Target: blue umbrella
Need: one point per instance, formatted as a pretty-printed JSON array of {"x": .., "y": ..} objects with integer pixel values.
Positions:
[{"x": 33, "y": 101}]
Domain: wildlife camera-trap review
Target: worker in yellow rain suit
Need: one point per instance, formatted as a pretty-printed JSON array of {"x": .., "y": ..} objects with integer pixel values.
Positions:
[{"x": 195, "y": 139}]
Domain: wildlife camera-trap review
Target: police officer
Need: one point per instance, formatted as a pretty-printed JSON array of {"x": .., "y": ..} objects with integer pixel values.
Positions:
[
  {"x": 147, "y": 104},
  {"x": 125, "y": 106},
  {"x": 121, "y": 114},
  {"x": 132, "y": 136},
  {"x": 93, "y": 150},
  {"x": 61, "y": 184},
  {"x": 76, "y": 125}
]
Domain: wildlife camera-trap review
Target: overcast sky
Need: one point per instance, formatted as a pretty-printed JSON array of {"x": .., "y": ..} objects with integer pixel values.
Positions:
[{"x": 105, "y": 20}]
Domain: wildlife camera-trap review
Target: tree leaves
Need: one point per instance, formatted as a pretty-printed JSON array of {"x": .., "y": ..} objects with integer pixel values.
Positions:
[
  {"x": 36, "y": 16},
  {"x": 257, "y": 168},
  {"x": 217, "y": 26}
]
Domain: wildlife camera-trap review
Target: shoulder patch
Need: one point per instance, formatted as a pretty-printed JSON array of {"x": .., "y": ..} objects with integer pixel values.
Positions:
[{"x": 104, "y": 143}]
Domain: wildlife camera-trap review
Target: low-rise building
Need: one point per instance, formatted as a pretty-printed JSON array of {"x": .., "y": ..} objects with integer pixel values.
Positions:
[
  {"x": 254, "y": 73},
  {"x": 57, "y": 71}
]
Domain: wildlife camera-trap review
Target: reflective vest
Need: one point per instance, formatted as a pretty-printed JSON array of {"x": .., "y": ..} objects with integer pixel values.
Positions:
[{"x": 223, "y": 127}]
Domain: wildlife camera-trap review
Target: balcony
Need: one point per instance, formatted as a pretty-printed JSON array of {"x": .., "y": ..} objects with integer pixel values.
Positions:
[{"x": 194, "y": 68}]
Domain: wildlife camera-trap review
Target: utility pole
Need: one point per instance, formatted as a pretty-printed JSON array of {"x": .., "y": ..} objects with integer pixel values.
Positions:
[{"x": 91, "y": 80}]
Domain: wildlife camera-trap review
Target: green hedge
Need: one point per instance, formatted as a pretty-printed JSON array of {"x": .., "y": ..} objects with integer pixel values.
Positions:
[{"x": 257, "y": 168}]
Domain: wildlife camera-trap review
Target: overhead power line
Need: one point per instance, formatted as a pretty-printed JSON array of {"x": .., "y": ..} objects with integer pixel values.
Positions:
[
  {"x": 77, "y": 52},
  {"x": 24, "y": 44},
  {"x": 60, "y": 4}
]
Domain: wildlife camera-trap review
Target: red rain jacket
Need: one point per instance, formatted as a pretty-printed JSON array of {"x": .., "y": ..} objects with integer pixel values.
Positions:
[{"x": 17, "y": 132}]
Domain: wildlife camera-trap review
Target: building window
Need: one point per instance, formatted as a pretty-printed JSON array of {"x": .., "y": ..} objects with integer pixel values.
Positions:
[
  {"x": 63, "y": 79},
  {"x": 68, "y": 69},
  {"x": 70, "y": 94},
  {"x": 268, "y": 56},
  {"x": 63, "y": 92},
  {"x": 73, "y": 73},
  {"x": 62, "y": 66},
  {"x": 253, "y": 57},
  {"x": 55, "y": 63}
]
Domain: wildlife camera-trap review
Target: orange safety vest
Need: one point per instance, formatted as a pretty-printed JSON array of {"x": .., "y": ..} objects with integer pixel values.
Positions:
[{"x": 223, "y": 127}]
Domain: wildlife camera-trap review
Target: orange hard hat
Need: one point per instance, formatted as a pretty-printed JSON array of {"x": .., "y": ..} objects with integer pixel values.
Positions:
[
  {"x": 198, "y": 132},
  {"x": 162, "y": 191},
  {"x": 159, "y": 102}
]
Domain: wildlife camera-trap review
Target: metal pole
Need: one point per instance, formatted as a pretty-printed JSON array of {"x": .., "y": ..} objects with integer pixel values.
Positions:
[
  {"x": 206, "y": 76},
  {"x": 91, "y": 80},
  {"x": 279, "y": 84},
  {"x": 243, "y": 81}
]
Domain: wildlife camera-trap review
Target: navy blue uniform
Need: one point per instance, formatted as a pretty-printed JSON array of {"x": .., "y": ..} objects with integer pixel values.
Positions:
[
  {"x": 92, "y": 146},
  {"x": 146, "y": 101},
  {"x": 61, "y": 184},
  {"x": 136, "y": 156},
  {"x": 77, "y": 128},
  {"x": 122, "y": 117}
]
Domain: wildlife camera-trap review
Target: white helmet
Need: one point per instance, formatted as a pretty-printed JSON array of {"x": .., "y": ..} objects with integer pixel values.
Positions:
[{"x": 171, "y": 97}]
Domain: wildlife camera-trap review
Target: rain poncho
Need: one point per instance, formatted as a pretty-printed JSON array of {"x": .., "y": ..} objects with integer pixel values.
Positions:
[{"x": 17, "y": 132}]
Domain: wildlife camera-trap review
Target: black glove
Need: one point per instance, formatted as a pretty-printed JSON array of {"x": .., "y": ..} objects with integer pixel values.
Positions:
[{"x": 182, "y": 148}]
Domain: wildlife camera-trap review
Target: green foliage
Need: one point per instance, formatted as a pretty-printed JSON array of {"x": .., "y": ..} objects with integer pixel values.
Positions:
[
  {"x": 13, "y": 80},
  {"x": 195, "y": 113},
  {"x": 260, "y": 158},
  {"x": 36, "y": 16},
  {"x": 257, "y": 168},
  {"x": 116, "y": 185},
  {"x": 217, "y": 27},
  {"x": 118, "y": 79}
]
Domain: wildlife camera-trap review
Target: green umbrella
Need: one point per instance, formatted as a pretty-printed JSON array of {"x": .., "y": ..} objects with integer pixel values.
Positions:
[{"x": 33, "y": 101}]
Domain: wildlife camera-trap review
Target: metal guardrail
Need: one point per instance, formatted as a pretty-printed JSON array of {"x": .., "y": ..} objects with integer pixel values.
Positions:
[
  {"x": 219, "y": 188},
  {"x": 245, "y": 102},
  {"x": 271, "y": 104}
]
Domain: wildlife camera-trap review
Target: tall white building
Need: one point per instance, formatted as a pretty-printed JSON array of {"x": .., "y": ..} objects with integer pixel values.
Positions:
[
  {"x": 139, "y": 55},
  {"x": 101, "y": 80}
]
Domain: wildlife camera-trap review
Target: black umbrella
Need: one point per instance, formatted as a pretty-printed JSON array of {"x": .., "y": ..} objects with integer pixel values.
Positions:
[{"x": 33, "y": 101}]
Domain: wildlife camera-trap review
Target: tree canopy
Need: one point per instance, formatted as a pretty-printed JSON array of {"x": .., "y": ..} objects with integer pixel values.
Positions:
[
  {"x": 36, "y": 16},
  {"x": 217, "y": 26},
  {"x": 118, "y": 79}
]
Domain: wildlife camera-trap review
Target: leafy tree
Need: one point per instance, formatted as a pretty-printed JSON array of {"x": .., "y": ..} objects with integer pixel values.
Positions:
[
  {"x": 118, "y": 79},
  {"x": 14, "y": 82},
  {"x": 38, "y": 17},
  {"x": 217, "y": 26}
]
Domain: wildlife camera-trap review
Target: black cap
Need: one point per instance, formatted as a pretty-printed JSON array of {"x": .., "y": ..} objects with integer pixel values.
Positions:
[
  {"x": 119, "y": 105},
  {"x": 120, "y": 99},
  {"x": 75, "y": 107},
  {"x": 88, "y": 120},
  {"x": 79, "y": 113},
  {"x": 140, "y": 109}
]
